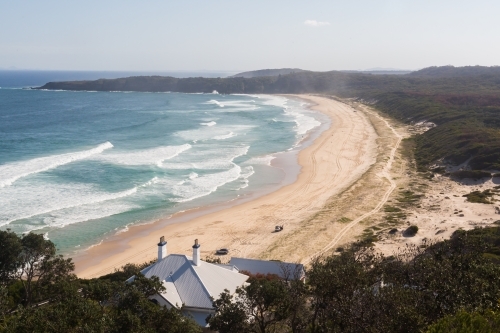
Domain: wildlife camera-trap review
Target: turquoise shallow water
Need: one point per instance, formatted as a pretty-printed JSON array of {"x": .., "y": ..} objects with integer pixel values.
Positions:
[{"x": 78, "y": 166}]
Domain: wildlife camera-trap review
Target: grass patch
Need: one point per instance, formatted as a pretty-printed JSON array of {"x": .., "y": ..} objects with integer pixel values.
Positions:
[
  {"x": 368, "y": 237},
  {"x": 408, "y": 198},
  {"x": 484, "y": 197},
  {"x": 344, "y": 220},
  {"x": 391, "y": 209}
]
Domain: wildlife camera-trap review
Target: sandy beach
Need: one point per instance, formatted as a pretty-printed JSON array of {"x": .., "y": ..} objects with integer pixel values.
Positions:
[{"x": 339, "y": 157}]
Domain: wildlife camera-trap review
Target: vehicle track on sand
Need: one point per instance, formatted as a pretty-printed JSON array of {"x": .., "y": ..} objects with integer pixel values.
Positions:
[
  {"x": 275, "y": 212},
  {"x": 385, "y": 173}
]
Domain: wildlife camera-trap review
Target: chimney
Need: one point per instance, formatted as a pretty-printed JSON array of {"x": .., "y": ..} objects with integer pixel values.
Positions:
[
  {"x": 162, "y": 248},
  {"x": 196, "y": 253}
]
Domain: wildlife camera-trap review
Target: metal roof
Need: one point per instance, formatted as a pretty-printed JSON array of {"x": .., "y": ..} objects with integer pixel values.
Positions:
[
  {"x": 170, "y": 293},
  {"x": 282, "y": 269},
  {"x": 193, "y": 285}
]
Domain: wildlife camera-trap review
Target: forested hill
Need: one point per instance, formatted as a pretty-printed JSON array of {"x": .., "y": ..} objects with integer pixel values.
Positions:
[
  {"x": 431, "y": 80},
  {"x": 268, "y": 72},
  {"x": 453, "y": 72}
]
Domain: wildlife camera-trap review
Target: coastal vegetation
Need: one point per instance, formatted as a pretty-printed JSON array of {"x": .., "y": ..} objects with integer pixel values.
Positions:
[
  {"x": 436, "y": 287},
  {"x": 421, "y": 288},
  {"x": 485, "y": 197},
  {"x": 411, "y": 231},
  {"x": 40, "y": 293},
  {"x": 461, "y": 103}
]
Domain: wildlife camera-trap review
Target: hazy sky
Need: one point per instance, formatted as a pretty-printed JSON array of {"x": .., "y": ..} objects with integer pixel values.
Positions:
[{"x": 246, "y": 35}]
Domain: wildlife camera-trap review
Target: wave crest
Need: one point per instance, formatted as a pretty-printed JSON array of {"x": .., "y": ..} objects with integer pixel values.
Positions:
[{"x": 13, "y": 171}]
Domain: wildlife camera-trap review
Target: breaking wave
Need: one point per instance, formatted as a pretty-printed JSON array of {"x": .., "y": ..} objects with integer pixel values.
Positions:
[{"x": 13, "y": 171}]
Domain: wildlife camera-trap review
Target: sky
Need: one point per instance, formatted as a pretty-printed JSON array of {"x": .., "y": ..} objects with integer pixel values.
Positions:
[{"x": 237, "y": 35}]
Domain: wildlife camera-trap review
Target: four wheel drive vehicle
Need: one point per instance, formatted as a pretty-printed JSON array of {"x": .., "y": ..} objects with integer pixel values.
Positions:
[{"x": 222, "y": 251}]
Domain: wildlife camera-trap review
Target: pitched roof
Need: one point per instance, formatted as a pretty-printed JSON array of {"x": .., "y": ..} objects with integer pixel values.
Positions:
[
  {"x": 193, "y": 285},
  {"x": 282, "y": 269}
]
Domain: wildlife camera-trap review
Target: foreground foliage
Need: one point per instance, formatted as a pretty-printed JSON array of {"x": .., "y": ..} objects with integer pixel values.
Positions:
[
  {"x": 465, "y": 322},
  {"x": 39, "y": 293},
  {"x": 450, "y": 286},
  {"x": 359, "y": 291}
]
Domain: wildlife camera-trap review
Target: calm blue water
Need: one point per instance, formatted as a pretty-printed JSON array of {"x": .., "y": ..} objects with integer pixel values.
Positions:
[{"x": 78, "y": 166}]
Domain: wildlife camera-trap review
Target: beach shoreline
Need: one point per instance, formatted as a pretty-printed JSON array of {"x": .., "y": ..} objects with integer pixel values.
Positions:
[{"x": 334, "y": 160}]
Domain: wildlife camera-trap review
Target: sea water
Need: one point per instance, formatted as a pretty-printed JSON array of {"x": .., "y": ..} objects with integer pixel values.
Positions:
[{"x": 80, "y": 166}]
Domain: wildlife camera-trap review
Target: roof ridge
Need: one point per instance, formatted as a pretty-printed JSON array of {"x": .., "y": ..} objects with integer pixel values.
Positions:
[{"x": 199, "y": 279}]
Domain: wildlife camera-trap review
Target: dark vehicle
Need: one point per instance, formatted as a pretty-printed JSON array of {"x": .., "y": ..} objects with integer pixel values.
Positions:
[{"x": 222, "y": 251}]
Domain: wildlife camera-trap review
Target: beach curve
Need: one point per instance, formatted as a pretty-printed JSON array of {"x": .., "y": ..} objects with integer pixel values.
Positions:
[{"x": 334, "y": 161}]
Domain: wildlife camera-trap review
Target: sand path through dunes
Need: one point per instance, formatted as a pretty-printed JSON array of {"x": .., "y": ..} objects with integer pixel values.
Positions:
[
  {"x": 384, "y": 173},
  {"x": 336, "y": 159}
]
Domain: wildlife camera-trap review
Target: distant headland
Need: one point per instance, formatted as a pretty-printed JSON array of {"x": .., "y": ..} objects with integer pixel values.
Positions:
[{"x": 297, "y": 81}]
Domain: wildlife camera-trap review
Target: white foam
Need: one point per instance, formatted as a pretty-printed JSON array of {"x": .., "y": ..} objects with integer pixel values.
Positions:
[
  {"x": 274, "y": 100},
  {"x": 303, "y": 122},
  {"x": 211, "y": 123},
  {"x": 153, "y": 156},
  {"x": 245, "y": 174},
  {"x": 224, "y": 136},
  {"x": 240, "y": 105},
  {"x": 262, "y": 160},
  {"x": 193, "y": 175},
  {"x": 13, "y": 171},
  {"x": 213, "y": 101},
  {"x": 209, "y": 159},
  {"x": 66, "y": 203},
  {"x": 61, "y": 218},
  {"x": 218, "y": 132},
  {"x": 204, "y": 185}
]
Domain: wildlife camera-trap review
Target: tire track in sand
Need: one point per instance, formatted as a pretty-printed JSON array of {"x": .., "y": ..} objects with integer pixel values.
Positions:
[
  {"x": 385, "y": 173},
  {"x": 274, "y": 212}
]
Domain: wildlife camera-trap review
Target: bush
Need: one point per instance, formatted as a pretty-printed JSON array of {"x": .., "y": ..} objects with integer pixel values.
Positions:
[
  {"x": 479, "y": 197},
  {"x": 472, "y": 174},
  {"x": 464, "y": 322},
  {"x": 496, "y": 175},
  {"x": 411, "y": 231}
]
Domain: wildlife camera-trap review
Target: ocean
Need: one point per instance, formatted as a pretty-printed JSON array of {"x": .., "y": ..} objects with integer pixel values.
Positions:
[{"x": 80, "y": 166}]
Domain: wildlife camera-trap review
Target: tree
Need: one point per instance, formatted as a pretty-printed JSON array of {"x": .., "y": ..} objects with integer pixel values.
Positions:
[
  {"x": 38, "y": 267},
  {"x": 261, "y": 306},
  {"x": 465, "y": 322},
  {"x": 230, "y": 316},
  {"x": 106, "y": 306},
  {"x": 10, "y": 247}
]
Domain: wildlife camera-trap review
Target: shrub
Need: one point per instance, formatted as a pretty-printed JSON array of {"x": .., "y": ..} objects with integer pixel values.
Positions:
[
  {"x": 472, "y": 174},
  {"x": 479, "y": 197},
  {"x": 411, "y": 231},
  {"x": 464, "y": 322}
]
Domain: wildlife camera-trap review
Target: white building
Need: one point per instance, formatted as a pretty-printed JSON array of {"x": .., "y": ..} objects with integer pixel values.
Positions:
[
  {"x": 284, "y": 270},
  {"x": 190, "y": 282}
]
